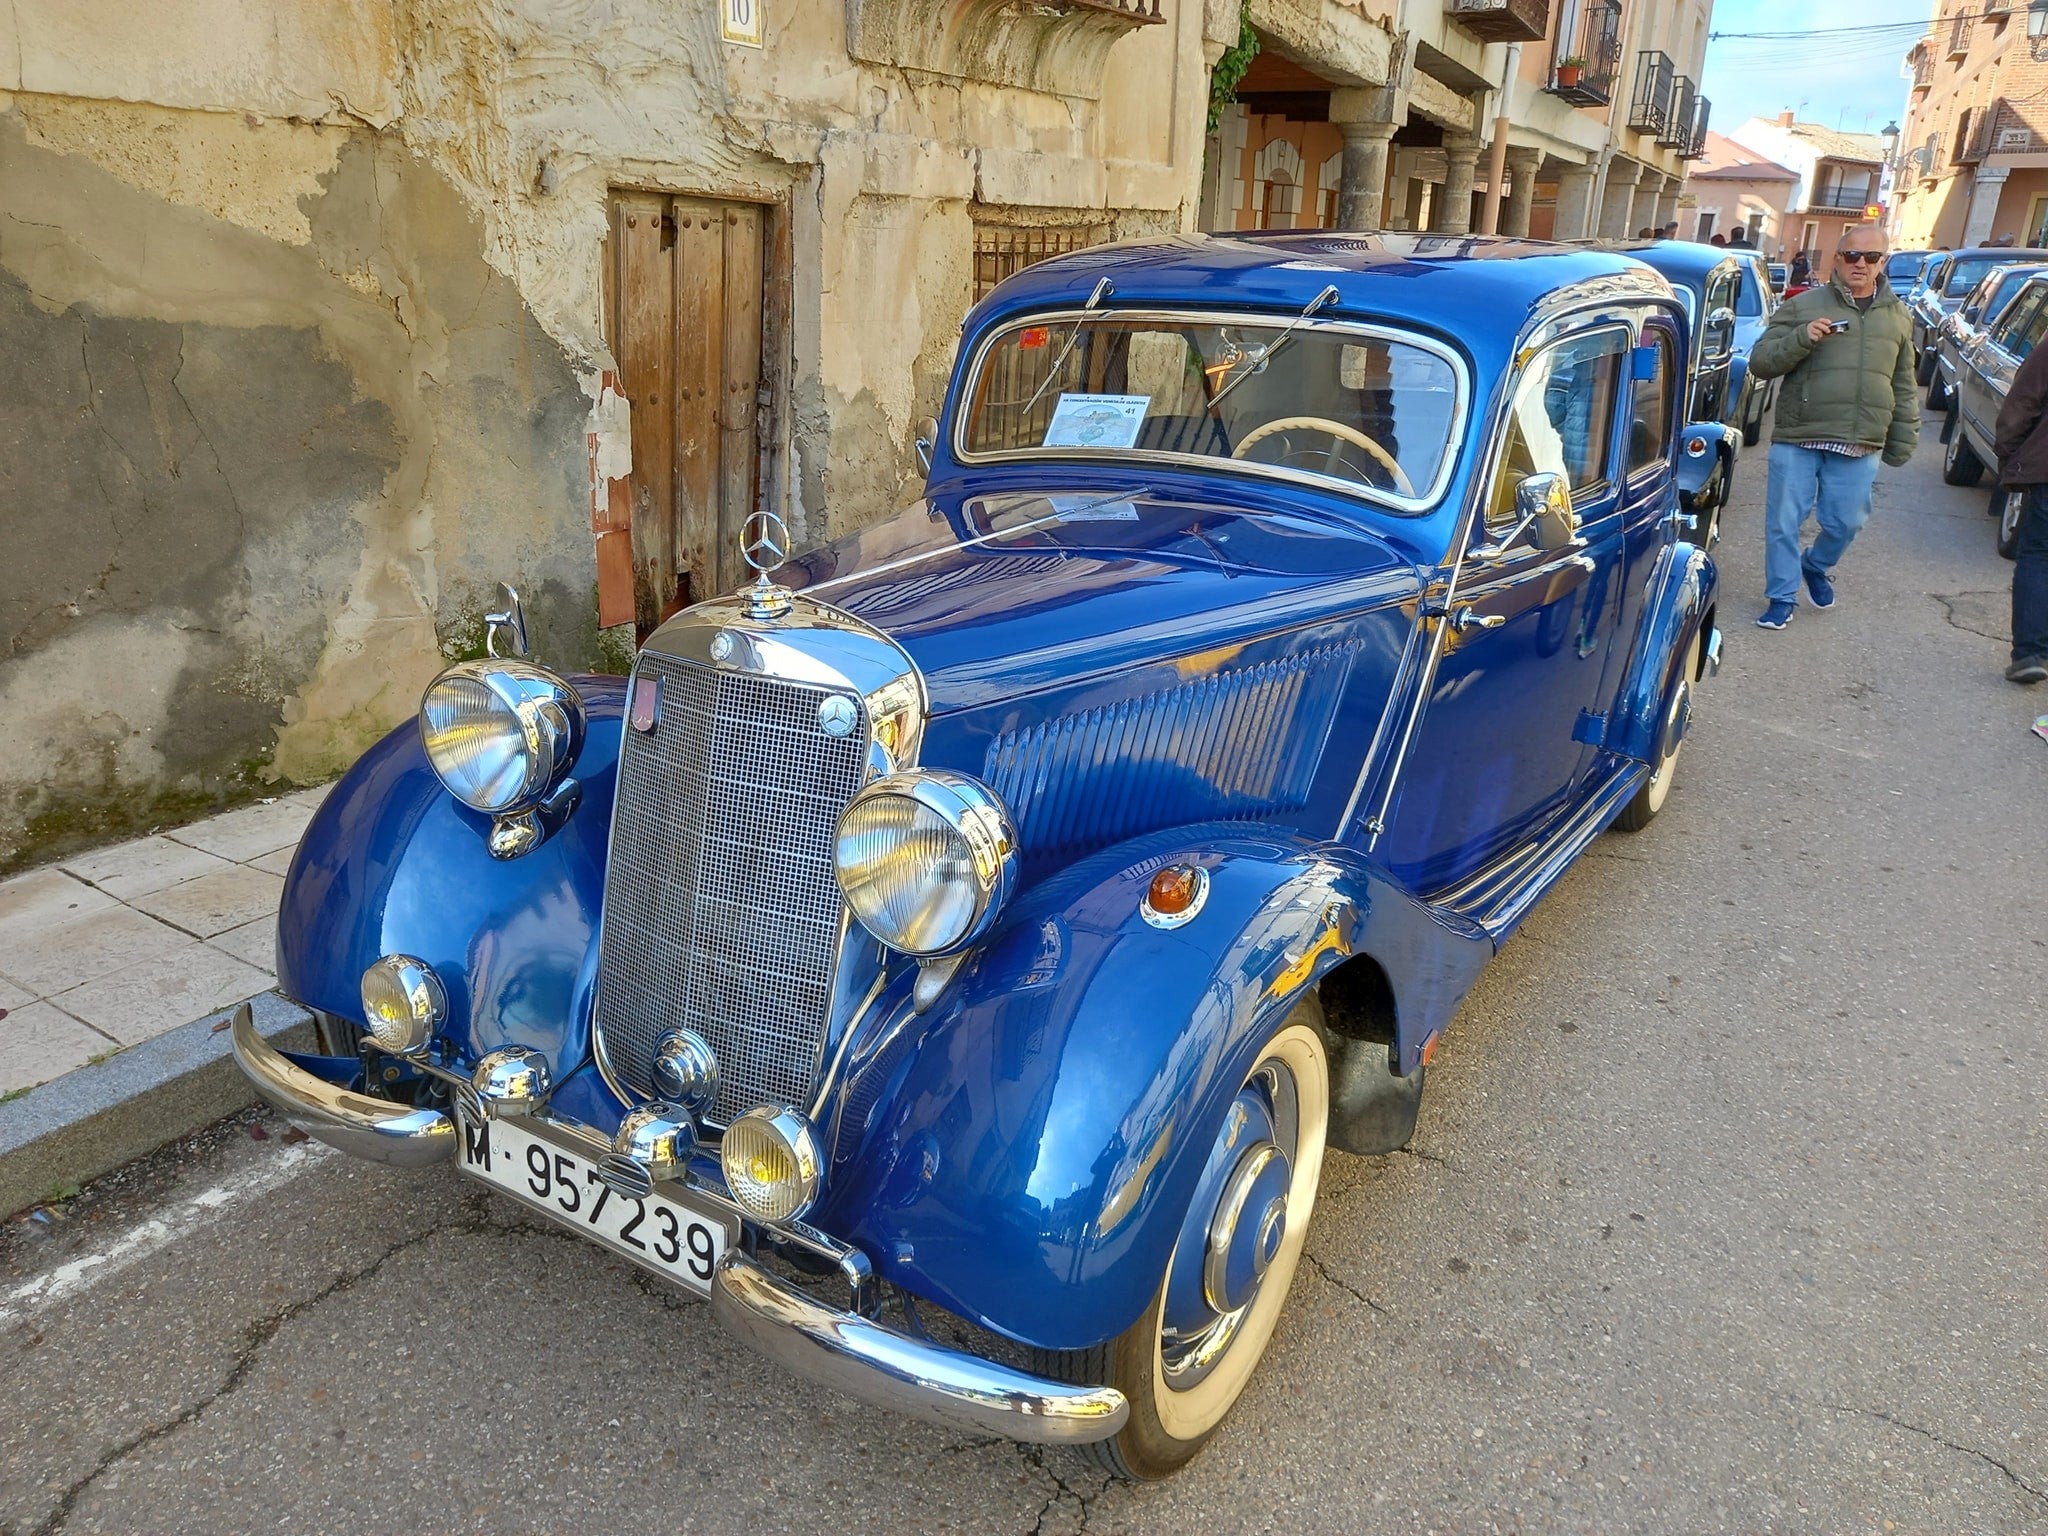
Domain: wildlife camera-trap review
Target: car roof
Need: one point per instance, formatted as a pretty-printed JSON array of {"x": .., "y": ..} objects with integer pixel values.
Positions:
[{"x": 1441, "y": 281}]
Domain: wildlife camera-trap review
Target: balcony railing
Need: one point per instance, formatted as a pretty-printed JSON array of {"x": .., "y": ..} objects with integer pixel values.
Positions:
[
  {"x": 1589, "y": 32},
  {"x": 1841, "y": 200},
  {"x": 1959, "y": 36},
  {"x": 1649, "y": 108},
  {"x": 1685, "y": 97},
  {"x": 1696, "y": 146},
  {"x": 1501, "y": 21}
]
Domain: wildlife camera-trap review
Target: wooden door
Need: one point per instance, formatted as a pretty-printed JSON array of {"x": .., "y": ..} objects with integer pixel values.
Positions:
[{"x": 683, "y": 312}]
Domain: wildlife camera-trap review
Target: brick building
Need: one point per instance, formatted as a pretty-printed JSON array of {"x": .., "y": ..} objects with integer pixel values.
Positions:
[
  {"x": 1839, "y": 177},
  {"x": 1973, "y": 154},
  {"x": 1735, "y": 186}
]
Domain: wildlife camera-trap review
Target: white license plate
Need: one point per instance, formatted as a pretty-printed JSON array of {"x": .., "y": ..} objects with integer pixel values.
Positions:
[{"x": 668, "y": 1236}]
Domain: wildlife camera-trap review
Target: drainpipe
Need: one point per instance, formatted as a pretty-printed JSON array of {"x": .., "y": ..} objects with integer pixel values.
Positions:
[{"x": 1497, "y": 158}]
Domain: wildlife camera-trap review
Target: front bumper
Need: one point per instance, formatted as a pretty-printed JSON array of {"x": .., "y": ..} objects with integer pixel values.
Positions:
[{"x": 844, "y": 1349}]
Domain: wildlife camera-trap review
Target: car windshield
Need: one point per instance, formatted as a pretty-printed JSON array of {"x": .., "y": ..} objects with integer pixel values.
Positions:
[
  {"x": 1966, "y": 272},
  {"x": 1363, "y": 409},
  {"x": 1904, "y": 266}
]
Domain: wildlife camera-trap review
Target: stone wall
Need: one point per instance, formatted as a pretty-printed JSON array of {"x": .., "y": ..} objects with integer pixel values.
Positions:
[{"x": 300, "y": 304}]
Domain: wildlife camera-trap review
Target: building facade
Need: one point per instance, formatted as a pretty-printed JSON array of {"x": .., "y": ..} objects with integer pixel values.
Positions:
[
  {"x": 1839, "y": 177},
  {"x": 1973, "y": 152},
  {"x": 1735, "y": 187},
  {"x": 1561, "y": 119},
  {"x": 324, "y": 315}
]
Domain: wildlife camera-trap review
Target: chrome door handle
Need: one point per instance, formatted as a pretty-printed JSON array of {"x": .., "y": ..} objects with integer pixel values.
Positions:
[{"x": 1469, "y": 618}]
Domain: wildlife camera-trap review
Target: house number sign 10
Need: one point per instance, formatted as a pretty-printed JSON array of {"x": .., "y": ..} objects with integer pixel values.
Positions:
[{"x": 742, "y": 21}]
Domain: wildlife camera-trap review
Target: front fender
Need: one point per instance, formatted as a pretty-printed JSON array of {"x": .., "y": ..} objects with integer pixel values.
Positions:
[
  {"x": 1031, "y": 1162},
  {"x": 1704, "y": 476},
  {"x": 1682, "y": 591},
  {"x": 394, "y": 864}
]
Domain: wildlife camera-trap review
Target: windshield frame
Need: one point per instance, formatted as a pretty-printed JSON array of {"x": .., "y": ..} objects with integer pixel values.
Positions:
[{"x": 1425, "y": 499}]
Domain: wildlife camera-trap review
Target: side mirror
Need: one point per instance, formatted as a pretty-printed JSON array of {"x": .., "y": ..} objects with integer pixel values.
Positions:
[
  {"x": 925, "y": 441},
  {"x": 1544, "y": 501}
]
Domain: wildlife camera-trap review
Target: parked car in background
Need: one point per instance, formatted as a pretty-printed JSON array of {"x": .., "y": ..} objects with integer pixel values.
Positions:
[
  {"x": 1903, "y": 269},
  {"x": 1781, "y": 273},
  {"x": 1985, "y": 366},
  {"x": 1983, "y": 306},
  {"x": 1709, "y": 281},
  {"x": 1949, "y": 282},
  {"x": 998, "y": 912}
]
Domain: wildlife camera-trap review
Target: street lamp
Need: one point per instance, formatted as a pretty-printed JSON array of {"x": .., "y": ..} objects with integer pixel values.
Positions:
[
  {"x": 1890, "y": 137},
  {"x": 2037, "y": 28}
]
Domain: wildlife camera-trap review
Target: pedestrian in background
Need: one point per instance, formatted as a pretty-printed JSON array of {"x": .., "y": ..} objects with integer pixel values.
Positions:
[
  {"x": 1845, "y": 351},
  {"x": 2021, "y": 441},
  {"x": 1799, "y": 271}
]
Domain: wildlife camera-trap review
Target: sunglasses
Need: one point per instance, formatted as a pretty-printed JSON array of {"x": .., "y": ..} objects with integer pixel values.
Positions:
[{"x": 1873, "y": 257}]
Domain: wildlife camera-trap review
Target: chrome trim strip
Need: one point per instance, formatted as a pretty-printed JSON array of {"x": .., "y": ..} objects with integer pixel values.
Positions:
[
  {"x": 354, "y": 1122},
  {"x": 1497, "y": 897},
  {"x": 1405, "y": 505},
  {"x": 912, "y": 1377}
]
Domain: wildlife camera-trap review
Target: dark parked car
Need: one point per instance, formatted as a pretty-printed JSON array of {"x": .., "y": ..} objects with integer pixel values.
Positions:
[
  {"x": 998, "y": 912},
  {"x": 1903, "y": 269},
  {"x": 1711, "y": 282},
  {"x": 1984, "y": 370},
  {"x": 1984, "y": 305},
  {"x": 1950, "y": 280}
]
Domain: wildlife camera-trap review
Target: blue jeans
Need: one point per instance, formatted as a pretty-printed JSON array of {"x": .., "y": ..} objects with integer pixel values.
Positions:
[
  {"x": 1832, "y": 488},
  {"x": 2030, "y": 580}
]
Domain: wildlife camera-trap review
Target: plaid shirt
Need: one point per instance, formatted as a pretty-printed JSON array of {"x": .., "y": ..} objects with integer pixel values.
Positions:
[{"x": 1846, "y": 450}]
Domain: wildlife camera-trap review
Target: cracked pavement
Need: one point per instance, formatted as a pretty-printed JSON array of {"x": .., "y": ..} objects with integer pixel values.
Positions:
[{"x": 1726, "y": 1212}]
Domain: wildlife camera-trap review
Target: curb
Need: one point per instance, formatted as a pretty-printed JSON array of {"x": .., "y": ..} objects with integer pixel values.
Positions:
[{"x": 92, "y": 1120}]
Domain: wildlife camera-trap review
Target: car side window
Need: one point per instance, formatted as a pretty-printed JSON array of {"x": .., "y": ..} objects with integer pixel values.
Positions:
[
  {"x": 2031, "y": 326},
  {"x": 1562, "y": 421},
  {"x": 2006, "y": 333},
  {"x": 1649, "y": 431},
  {"x": 1749, "y": 298}
]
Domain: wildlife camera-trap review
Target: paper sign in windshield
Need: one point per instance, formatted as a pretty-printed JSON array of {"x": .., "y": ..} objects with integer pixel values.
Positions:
[
  {"x": 1094, "y": 509},
  {"x": 1096, "y": 421}
]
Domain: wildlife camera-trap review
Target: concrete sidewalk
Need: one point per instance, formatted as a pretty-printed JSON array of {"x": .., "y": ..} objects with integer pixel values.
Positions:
[
  {"x": 114, "y": 968},
  {"x": 111, "y": 948}
]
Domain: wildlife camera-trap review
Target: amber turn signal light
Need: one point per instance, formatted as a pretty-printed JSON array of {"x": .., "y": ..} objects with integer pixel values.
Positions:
[{"x": 1172, "y": 890}]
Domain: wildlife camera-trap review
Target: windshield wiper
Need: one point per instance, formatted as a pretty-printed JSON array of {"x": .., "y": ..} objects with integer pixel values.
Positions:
[
  {"x": 1103, "y": 289},
  {"x": 1326, "y": 296}
]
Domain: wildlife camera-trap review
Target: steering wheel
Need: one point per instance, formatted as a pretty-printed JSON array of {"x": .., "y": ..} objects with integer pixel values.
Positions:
[{"x": 1336, "y": 429}]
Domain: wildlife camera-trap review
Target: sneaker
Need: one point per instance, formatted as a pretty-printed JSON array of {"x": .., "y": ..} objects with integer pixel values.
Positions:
[
  {"x": 1818, "y": 587},
  {"x": 1777, "y": 616},
  {"x": 2032, "y": 670}
]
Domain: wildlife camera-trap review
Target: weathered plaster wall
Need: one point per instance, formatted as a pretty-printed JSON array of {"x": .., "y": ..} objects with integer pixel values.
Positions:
[
  {"x": 265, "y": 451},
  {"x": 341, "y": 259}
]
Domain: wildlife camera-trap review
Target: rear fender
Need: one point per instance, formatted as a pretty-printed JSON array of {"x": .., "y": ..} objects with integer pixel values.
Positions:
[
  {"x": 1044, "y": 1126},
  {"x": 394, "y": 864},
  {"x": 1682, "y": 589}
]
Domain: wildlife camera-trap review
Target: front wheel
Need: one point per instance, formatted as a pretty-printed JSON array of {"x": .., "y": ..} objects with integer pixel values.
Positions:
[
  {"x": 1186, "y": 1360},
  {"x": 1959, "y": 462},
  {"x": 1642, "y": 809}
]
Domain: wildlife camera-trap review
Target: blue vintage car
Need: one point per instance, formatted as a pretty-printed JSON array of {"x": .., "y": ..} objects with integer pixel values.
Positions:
[{"x": 954, "y": 953}]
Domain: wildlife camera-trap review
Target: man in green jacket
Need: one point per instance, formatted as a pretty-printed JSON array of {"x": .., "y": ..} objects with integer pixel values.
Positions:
[{"x": 1845, "y": 351}]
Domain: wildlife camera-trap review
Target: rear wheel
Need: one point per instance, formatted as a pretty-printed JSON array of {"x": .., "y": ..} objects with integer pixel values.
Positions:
[
  {"x": 1959, "y": 462},
  {"x": 1186, "y": 1360},
  {"x": 2009, "y": 505}
]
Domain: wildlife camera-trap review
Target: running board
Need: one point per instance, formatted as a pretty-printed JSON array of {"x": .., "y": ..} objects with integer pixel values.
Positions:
[{"x": 1500, "y": 896}]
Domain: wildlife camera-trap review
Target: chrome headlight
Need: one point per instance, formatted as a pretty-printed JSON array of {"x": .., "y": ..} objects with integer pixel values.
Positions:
[
  {"x": 403, "y": 1003},
  {"x": 926, "y": 859},
  {"x": 770, "y": 1158},
  {"x": 500, "y": 734}
]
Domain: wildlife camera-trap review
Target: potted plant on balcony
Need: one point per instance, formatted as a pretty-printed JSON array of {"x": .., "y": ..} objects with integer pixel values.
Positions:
[{"x": 1569, "y": 69}]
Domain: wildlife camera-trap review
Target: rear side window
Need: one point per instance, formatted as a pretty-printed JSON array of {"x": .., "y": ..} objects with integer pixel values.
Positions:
[
  {"x": 1749, "y": 300},
  {"x": 2033, "y": 320},
  {"x": 1649, "y": 432},
  {"x": 2010, "y": 330}
]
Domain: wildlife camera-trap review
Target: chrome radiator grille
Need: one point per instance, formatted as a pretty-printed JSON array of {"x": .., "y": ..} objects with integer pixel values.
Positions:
[{"x": 721, "y": 912}]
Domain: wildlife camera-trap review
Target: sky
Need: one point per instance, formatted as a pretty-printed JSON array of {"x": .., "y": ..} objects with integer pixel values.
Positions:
[{"x": 1846, "y": 79}]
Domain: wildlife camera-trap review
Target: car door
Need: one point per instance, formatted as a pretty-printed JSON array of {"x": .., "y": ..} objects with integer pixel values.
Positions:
[{"x": 1508, "y": 727}]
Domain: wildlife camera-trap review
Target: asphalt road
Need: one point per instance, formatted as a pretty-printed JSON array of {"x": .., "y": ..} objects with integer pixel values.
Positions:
[{"x": 1726, "y": 1212}]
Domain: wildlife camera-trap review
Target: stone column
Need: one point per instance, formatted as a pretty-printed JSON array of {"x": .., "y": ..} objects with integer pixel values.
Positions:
[
  {"x": 1574, "y": 203},
  {"x": 1361, "y": 195},
  {"x": 1643, "y": 211},
  {"x": 1620, "y": 199},
  {"x": 1667, "y": 204},
  {"x": 1454, "y": 200},
  {"x": 1986, "y": 187},
  {"x": 1522, "y": 166}
]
